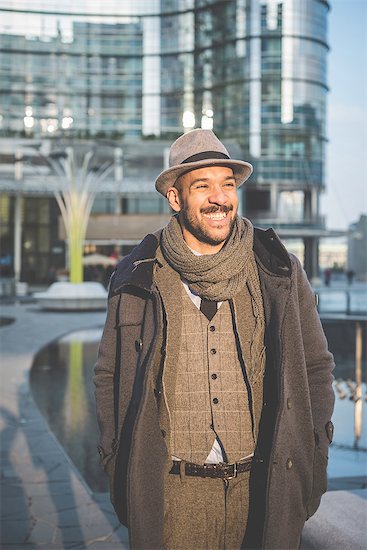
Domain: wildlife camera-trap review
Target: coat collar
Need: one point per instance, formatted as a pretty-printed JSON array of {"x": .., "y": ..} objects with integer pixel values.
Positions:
[
  {"x": 137, "y": 268},
  {"x": 271, "y": 252}
]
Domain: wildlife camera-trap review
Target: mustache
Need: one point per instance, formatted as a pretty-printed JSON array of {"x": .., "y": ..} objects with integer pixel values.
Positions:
[{"x": 218, "y": 208}]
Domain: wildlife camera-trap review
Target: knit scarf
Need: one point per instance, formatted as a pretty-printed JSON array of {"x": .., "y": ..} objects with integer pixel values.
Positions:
[{"x": 217, "y": 276}]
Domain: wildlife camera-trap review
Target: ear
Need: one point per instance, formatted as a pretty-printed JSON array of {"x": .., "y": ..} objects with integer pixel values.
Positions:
[{"x": 174, "y": 199}]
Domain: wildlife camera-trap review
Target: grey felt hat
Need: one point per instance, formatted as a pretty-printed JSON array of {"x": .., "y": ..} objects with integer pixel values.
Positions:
[{"x": 197, "y": 149}]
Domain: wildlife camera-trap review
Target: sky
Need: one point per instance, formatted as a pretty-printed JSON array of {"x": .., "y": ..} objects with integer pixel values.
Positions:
[{"x": 346, "y": 170}]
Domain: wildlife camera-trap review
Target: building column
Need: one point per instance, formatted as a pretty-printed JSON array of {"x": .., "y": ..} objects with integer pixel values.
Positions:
[
  {"x": 315, "y": 206},
  {"x": 311, "y": 206},
  {"x": 307, "y": 207},
  {"x": 18, "y": 236},
  {"x": 119, "y": 176},
  {"x": 311, "y": 262},
  {"x": 274, "y": 200}
]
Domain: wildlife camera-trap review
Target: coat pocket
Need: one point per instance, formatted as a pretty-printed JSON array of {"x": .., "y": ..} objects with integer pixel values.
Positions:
[{"x": 319, "y": 485}]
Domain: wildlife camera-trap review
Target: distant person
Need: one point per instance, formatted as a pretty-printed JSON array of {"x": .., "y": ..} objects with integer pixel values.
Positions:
[
  {"x": 6, "y": 268},
  {"x": 51, "y": 275},
  {"x": 350, "y": 276},
  {"x": 327, "y": 276},
  {"x": 213, "y": 380}
]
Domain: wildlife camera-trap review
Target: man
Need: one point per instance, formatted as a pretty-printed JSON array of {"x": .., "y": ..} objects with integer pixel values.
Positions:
[{"x": 213, "y": 381}]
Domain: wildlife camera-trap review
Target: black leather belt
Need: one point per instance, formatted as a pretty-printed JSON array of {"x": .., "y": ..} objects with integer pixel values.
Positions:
[{"x": 221, "y": 471}]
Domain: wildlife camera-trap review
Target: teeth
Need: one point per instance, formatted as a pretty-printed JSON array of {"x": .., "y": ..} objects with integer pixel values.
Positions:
[{"x": 216, "y": 215}]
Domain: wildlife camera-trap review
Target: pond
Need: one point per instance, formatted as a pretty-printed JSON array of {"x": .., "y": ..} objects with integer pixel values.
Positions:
[{"x": 62, "y": 385}]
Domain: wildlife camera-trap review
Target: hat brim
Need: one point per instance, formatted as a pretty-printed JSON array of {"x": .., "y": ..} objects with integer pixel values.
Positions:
[{"x": 241, "y": 170}]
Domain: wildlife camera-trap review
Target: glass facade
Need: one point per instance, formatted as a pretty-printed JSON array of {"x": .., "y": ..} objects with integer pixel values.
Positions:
[
  {"x": 42, "y": 251},
  {"x": 253, "y": 70}
]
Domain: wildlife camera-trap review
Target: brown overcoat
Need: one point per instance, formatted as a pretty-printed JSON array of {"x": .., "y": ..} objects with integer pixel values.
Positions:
[{"x": 289, "y": 472}]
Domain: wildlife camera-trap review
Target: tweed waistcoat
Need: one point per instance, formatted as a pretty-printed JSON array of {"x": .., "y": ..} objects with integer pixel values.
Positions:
[
  {"x": 210, "y": 395},
  {"x": 172, "y": 293}
]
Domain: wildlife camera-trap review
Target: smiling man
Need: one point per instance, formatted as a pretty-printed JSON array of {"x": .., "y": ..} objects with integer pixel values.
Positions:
[
  {"x": 213, "y": 380},
  {"x": 207, "y": 202}
]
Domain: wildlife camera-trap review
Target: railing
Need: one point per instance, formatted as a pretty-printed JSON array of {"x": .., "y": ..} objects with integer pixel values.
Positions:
[
  {"x": 348, "y": 305},
  {"x": 268, "y": 218},
  {"x": 342, "y": 300}
]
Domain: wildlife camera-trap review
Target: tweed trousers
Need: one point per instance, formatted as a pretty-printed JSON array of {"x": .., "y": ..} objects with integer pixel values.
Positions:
[{"x": 205, "y": 513}]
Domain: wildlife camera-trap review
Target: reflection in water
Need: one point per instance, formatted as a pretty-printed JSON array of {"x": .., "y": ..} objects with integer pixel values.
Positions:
[
  {"x": 62, "y": 385},
  {"x": 350, "y": 415},
  {"x": 61, "y": 380},
  {"x": 75, "y": 394}
]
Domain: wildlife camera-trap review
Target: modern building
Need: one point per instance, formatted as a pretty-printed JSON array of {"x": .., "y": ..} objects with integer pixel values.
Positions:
[
  {"x": 357, "y": 246},
  {"x": 139, "y": 74}
]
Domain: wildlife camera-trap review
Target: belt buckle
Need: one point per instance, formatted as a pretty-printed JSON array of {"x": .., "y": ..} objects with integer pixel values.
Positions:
[{"x": 227, "y": 477}]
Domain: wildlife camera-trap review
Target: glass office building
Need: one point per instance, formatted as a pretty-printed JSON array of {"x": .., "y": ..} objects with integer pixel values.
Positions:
[{"x": 145, "y": 71}]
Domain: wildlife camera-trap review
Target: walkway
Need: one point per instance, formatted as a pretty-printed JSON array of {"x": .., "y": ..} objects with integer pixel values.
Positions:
[{"x": 44, "y": 501}]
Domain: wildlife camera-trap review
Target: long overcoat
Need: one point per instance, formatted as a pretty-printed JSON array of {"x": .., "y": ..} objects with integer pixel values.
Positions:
[{"x": 289, "y": 471}]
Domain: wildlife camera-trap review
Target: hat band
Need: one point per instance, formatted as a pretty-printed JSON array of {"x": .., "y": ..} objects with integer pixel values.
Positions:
[{"x": 206, "y": 155}]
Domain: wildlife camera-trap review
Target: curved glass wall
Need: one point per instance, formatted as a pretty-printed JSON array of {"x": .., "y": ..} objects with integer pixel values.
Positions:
[
  {"x": 253, "y": 70},
  {"x": 139, "y": 67}
]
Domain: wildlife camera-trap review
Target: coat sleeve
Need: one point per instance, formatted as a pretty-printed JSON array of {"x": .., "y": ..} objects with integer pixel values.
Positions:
[
  {"x": 104, "y": 381},
  {"x": 319, "y": 362}
]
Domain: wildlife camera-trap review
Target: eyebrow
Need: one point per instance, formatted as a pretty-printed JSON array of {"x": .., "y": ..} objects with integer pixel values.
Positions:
[{"x": 208, "y": 179}]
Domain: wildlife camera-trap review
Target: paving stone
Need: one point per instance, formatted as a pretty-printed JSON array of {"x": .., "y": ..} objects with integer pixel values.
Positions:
[
  {"x": 14, "y": 508},
  {"x": 49, "y": 489},
  {"x": 71, "y": 534},
  {"x": 8, "y": 473},
  {"x": 25, "y": 545},
  {"x": 10, "y": 489},
  {"x": 107, "y": 545},
  {"x": 121, "y": 534},
  {"x": 63, "y": 518},
  {"x": 42, "y": 533},
  {"x": 340, "y": 523},
  {"x": 99, "y": 530},
  {"x": 15, "y": 532}
]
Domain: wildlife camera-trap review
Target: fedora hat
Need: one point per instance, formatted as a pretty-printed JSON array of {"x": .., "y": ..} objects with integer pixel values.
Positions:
[{"x": 196, "y": 149}]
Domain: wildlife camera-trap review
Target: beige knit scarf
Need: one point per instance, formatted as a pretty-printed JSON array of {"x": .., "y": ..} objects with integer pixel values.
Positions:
[{"x": 214, "y": 276}]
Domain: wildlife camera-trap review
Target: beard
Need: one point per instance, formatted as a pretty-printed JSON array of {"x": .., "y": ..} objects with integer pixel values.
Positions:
[{"x": 203, "y": 233}]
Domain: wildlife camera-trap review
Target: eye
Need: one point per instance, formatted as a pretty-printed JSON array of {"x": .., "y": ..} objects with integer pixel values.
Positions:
[
  {"x": 201, "y": 186},
  {"x": 229, "y": 184}
]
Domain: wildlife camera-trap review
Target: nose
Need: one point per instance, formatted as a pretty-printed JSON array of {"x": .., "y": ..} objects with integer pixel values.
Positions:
[{"x": 218, "y": 196}]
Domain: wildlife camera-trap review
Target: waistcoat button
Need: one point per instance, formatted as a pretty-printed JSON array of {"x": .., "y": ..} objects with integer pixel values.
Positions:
[
  {"x": 215, "y": 400},
  {"x": 213, "y": 351},
  {"x": 289, "y": 403},
  {"x": 214, "y": 376},
  {"x": 289, "y": 463},
  {"x": 212, "y": 328}
]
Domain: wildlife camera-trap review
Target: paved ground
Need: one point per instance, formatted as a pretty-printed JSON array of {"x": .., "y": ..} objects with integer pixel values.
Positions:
[{"x": 44, "y": 500}]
